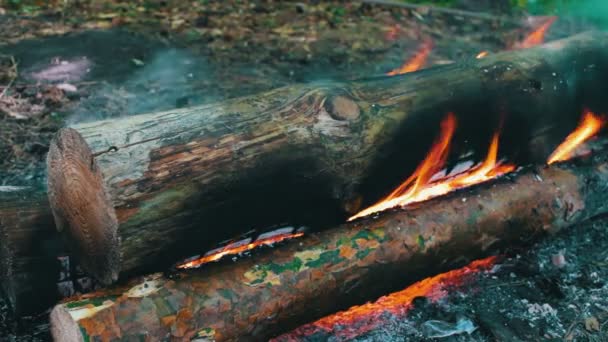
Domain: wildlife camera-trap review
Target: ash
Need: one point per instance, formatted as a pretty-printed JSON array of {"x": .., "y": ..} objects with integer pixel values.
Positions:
[{"x": 558, "y": 290}]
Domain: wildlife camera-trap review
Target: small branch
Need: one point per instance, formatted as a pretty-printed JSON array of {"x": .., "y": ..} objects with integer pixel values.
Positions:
[
  {"x": 6, "y": 88},
  {"x": 13, "y": 78}
]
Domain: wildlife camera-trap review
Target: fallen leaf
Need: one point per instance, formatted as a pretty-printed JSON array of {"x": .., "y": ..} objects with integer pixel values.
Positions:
[
  {"x": 137, "y": 62},
  {"x": 68, "y": 88},
  {"x": 592, "y": 324}
]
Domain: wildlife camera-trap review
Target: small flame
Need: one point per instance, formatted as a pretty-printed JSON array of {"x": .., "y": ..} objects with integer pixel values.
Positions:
[
  {"x": 537, "y": 36},
  {"x": 360, "y": 319},
  {"x": 482, "y": 54},
  {"x": 589, "y": 126},
  {"x": 237, "y": 248},
  {"x": 420, "y": 186},
  {"x": 416, "y": 62}
]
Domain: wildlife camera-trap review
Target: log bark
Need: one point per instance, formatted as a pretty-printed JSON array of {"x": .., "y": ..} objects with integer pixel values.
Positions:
[
  {"x": 297, "y": 283},
  {"x": 137, "y": 192},
  {"x": 29, "y": 247}
]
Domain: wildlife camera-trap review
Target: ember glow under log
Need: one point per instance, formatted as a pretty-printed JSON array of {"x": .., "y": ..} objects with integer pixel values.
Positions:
[
  {"x": 319, "y": 274},
  {"x": 140, "y": 192},
  {"x": 358, "y": 320}
]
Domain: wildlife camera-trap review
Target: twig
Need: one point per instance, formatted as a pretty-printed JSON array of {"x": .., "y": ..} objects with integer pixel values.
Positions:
[
  {"x": 16, "y": 74},
  {"x": 452, "y": 11},
  {"x": 6, "y": 88}
]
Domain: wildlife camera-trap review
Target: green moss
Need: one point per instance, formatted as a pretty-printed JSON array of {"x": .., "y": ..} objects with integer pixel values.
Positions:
[
  {"x": 162, "y": 205},
  {"x": 294, "y": 265},
  {"x": 228, "y": 294},
  {"x": 472, "y": 219},
  {"x": 85, "y": 336},
  {"x": 326, "y": 257},
  {"x": 94, "y": 301},
  {"x": 363, "y": 253},
  {"x": 421, "y": 242}
]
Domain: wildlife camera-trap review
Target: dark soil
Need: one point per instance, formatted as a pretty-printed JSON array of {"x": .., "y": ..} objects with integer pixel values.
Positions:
[{"x": 529, "y": 298}]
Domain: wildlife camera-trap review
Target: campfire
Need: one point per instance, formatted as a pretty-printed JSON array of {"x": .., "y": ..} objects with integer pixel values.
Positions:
[
  {"x": 357, "y": 320},
  {"x": 411, "y": 188}
]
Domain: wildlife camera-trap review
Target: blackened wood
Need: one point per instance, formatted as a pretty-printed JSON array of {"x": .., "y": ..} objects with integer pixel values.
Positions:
[
  {"x": 29, "y": 247},
  {"x": 259, "y": 298},
  {"x": 139, "y": 191}
]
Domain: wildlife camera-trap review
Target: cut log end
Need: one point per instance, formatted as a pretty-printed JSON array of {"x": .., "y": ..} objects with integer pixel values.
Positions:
[
  {"x": 82, "y": 206},
  {"x": 63, "y": 326}
]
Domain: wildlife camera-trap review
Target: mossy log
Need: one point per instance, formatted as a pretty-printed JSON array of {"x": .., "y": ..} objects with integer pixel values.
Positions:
[
  {"x": 29, "y": 247},
  {"x": 302, "y": 281},
  {"x": 136, "y": 193}
]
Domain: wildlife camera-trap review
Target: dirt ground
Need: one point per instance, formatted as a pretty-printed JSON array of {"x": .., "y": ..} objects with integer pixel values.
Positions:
[{"x": 80, "y": 61}]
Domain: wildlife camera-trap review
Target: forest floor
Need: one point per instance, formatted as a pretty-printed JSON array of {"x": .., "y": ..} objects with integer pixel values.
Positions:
[{"x": 71, "y": 63}]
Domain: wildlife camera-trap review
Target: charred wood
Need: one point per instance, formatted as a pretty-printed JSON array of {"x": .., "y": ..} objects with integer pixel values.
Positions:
[
  {"x": 29, "y": 248},
  {"x": 261, "y": 297},
  {"x": 135, "y": 193}
]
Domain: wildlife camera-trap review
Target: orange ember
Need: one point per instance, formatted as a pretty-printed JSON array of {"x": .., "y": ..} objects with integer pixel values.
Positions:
[
  {"x": 421, "y": 185},
  {"x": 589, "y": 126},
  {"x": 416, "y": 62},
  {"x": 538, "y": 36},
  {"x": 482, "y": 54},
  {"x": 237, "y": 248},
  {"x": 363, "y": 318},
  {"x": 392, "y": 33}
]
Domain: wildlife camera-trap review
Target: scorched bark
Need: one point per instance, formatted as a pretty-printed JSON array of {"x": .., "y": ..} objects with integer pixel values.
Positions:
[
  {"x": 297, "y": 283},
  {"x": 139, "y": 191},
  {"x": 29, "y": 247}
]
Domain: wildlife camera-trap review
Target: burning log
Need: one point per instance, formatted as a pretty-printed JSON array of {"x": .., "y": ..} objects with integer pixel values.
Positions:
[
  {"x": 358, "y": 320},
  {"x": 140, "y": 191},
  {"x": 332, "y": 270},
  {"x": 29, "y": 247}
]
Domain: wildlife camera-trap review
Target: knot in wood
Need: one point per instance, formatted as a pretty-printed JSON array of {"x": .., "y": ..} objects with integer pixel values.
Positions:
[{"x": 342, "y": 108}]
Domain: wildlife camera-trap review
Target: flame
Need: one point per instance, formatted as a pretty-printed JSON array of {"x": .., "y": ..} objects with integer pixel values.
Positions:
[
  {"x": 482, "y": 54},
  {"x": 359, "y": 319},
  {"x": 416, "y": 62},
  {"x": 237, "y": 248},
  {"x": 420, "y": 185},
  {"x": 589, "y": 126},
  {"x": 537, "y": 36}
]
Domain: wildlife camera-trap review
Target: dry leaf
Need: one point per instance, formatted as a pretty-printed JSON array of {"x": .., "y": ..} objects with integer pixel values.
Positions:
[{"x": 592, "y": 324}]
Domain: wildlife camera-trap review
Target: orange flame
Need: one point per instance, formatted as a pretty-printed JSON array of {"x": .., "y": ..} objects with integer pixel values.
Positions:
[
  {"x": 482, "y": 54},
  {"x": 420, "y": 185},
  {"x": 237, "y": 248},
  {"x": 359, "y": 319},
  {"x": 416, "y": 62},
  {"x": 589, "y": 126},
  {"x": 537, "y": 36}
]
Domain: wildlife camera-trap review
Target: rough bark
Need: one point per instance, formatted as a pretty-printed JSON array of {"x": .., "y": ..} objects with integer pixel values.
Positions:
[
  {"x": 29, "y": 247},
  {"x": 299, "y": 282},
  {"x": 140, "y": 191}
]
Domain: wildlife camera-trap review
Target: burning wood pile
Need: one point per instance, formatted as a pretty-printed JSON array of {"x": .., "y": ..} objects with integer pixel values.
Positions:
[{"x": 494, "y": 152}]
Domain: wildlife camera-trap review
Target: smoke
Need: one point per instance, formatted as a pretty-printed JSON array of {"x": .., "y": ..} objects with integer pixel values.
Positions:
[
  {"x": 591, "y": 11},
  {"x": 169, "y": 79}
]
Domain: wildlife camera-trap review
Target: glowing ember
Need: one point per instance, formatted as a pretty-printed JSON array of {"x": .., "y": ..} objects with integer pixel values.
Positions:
[
  {"x": 589, "y": 126},
  {"x": 538, "y": 36},
  {"x": 392, "y": 33},
  {"x": 360, "y": 319},
  {"x": 416, "y": 62},
  {"x": 421, "y": 185},
  {"x": 237, "y": 248},
  {"x": 482, "y": 54}
]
